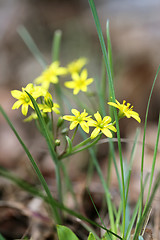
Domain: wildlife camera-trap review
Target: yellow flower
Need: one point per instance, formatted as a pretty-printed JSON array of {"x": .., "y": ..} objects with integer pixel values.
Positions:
[
  {"x": 104, "y": 125},
  {"x": 78, "y": 118},
  {"x": 48, "y": 105},
  {"x": 80, "y": 82},
  {"x": 23, "y": 98},
  {"x": 50, "y": 75},
  {"x": 76, "y": 65},
  {"x": 125, "y": 110}
]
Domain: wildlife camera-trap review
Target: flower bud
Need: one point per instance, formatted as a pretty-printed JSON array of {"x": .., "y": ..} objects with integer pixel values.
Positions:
[
  {"x": 64, "y": 131},
  {"x": 57, "y": 142},
  {"x": 60, "y": 121}
]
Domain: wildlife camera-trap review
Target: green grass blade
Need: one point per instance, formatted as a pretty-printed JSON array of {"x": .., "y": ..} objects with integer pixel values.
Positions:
[
  {"x": 21, "y": 183},
  {"x": 143, "y": 217},
  {"x": 111, "y": 86},
  {"x": 143, "y": 145},
  {"x": 41, "y": 178},
  {"x": 1, "y": 237},
  {"x": 131, "y": 162},
  {"x": 153, "y": 163},
  {"x": 34, "y": 191},
  {"x": 56, "y": 45},
  {"x": 109, "y": 46},
  {"x": 135, "y": 212},
  {"x": 32, "y": 46}
]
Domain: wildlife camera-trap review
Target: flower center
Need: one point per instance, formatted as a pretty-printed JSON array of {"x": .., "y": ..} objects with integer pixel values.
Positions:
[
  {"x": 79, "y": 119},
  {"x": 27, "y": 99},
  {"x": 101, "y": 125},
  {"x": 80, "y": 83}
]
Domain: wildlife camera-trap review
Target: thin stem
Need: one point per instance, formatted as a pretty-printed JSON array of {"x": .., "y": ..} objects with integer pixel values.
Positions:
[{"x": 74, "y": 134}]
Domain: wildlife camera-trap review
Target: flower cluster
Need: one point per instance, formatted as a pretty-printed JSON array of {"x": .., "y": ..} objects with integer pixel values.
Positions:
[
  {"x": 79, "y": 82},
  {"x": 42, "y": 83},
  {"x": 101, "y": 125}
]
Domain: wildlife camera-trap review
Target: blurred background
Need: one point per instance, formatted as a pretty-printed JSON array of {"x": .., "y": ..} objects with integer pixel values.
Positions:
[{"x": 135, "y": 37}]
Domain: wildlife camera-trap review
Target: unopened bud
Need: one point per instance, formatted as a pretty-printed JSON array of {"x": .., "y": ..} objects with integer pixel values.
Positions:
[
  {"x": 57, "y": 142},
  {"x": 64, "y": 131},
  {"x": 60, "y": 121}
]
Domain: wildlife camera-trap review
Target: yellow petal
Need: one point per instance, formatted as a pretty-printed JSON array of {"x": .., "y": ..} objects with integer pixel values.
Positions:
[
  {"x": 84, "y": 126},
  {"x": 16, "y": 94},
  {"x": 17, "y": 104},
  {"x": 113, "y": 104},
  {"x": 95, "y": 133},
  {"x": 111, "y": 127},
  {"x": 75, "y": 112},
  {"x": 107, "y": 132},
  {"x": 70, "y": 84},
  {"x": 24, "y": 109},
  {"x": 107, "y": 119},
  {"x": 84, "y": 74},
  {"x": 69, "y": 118},
  {"x": 75, "y": 76},
  {"x": 98, "y": 116},
  {"x": 73, "y": 125},
  {"x": 89, "y": 81}
]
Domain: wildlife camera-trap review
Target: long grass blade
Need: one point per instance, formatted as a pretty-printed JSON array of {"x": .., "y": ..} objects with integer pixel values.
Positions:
[
  {"x": 32, "y": 46},
  {"x": 41, "y": 178},
  {"x": 143, "y": 145},
  {"x": 111, "y": 86},
  {"x": 143, "y": 217},
  {"x": 153, "y": 163}
]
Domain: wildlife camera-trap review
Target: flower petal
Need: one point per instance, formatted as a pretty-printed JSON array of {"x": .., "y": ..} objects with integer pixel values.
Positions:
[
  {"x": 98, "y": 116},
  {"x": 70, "y": 84},
  {"x": 73, "y": 125},
  {"x": 16, "y": 94},
  {"x": 107, "y": 132},
  {"x": 75, "y": 112},
  {"x": 17, "y": 104},
  {"x": 84, "y": 74},
  {"x": 24, "y": 109},
  {"x": 69, "y": 118},
  {"x": 113, "y": 104},
  {"x": 95, "y": 132},
  {"x": 111, "y": 127},
  {"x": 84, "y": 126}
]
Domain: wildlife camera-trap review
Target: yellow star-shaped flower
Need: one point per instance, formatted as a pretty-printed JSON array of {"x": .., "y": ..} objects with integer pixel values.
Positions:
[
  {"x": 80, "y": 82},
  {"x": 50, "y": 75},
  {"x": 23, "y": 98},
  {"x": 104, "y": 125},
  {"x": 78, "y": 118},
  {"x": 125, "y": 110}
]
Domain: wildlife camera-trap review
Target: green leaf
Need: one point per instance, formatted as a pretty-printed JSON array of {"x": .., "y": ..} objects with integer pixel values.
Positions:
[
  {"x": 91, "y": 236},
  {"x": 64, "y": 233}
]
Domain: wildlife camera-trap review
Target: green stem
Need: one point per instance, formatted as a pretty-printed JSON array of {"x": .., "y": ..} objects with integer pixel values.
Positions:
[
  {"x": 77, "y": 150},
  {"x": 52, "y": 124},
  {"x": 74, "y": 134}
]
